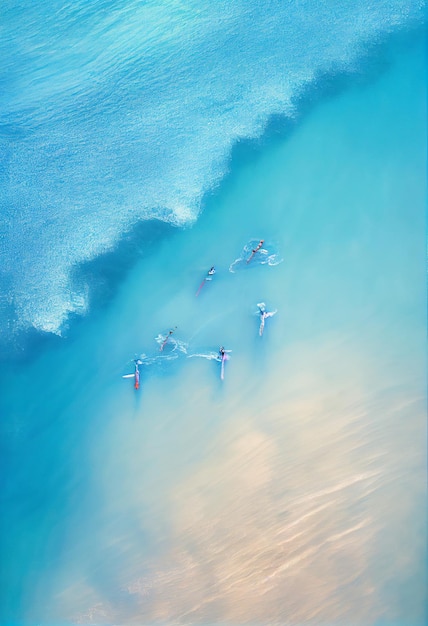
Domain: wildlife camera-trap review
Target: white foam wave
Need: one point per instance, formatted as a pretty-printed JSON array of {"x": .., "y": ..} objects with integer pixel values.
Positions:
[{"x": 117, "y": 113}]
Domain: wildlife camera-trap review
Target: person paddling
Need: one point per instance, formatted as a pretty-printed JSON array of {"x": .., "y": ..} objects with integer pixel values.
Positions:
[
  {"x": 208, "y": 276},
  {"x": 136, "y": 374},
  {"x": 255, "y": 250},
  {"x": 263, "y": 316},
  {"x": 223, "y": 358},
  {"x": 167, "y": 338}
]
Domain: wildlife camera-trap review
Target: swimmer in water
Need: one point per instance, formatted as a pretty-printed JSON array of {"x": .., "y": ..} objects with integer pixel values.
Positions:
[
  {"x": 209, "y": 276},
  {"x": 136, "y": 374},
  {"x": 263, "y": 316},
  {"x": 166, "y": 338},
  {"x": 223, "y": 359},
  {"x": 255, "y": 250}
]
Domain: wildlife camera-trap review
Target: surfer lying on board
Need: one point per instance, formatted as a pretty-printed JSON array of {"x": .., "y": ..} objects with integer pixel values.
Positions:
[
  {"x": 255, "y": 250},
  {"x": 208, "y": 276},
  {"x": 223, "y": 358},
  {"x": 165, "y": 341},
  {"x": 263, "y": 316},
  {"x": 136, "y": 374}
]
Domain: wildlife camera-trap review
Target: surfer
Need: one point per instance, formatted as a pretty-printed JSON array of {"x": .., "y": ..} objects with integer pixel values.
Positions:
[
  {"x": 255, "y": 250},
  {"x": 208, "y": 276},
  {"x": 136, "y": 374},
  {"x": 223, "y": 358},
  {"x": 165, "y": 341},
  {"x": 263, "y": 316}
]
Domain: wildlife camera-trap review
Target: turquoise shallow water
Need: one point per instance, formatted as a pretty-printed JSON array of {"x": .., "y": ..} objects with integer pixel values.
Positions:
[
  {"x": 294, "y": 491},
  {"x": 116, "y": 112}
]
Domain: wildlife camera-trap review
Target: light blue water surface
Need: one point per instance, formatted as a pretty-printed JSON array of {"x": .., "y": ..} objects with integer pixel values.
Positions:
[
  {"x": 98, "y": 480},
  {"x": 113, "y": 112}
]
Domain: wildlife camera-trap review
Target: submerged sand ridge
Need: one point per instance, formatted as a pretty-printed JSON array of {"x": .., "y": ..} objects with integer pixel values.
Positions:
[{"x": 286, "y": 516}]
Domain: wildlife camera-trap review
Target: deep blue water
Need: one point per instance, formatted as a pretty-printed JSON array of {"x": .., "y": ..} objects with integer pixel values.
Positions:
[{"x": 294, "y": 491}]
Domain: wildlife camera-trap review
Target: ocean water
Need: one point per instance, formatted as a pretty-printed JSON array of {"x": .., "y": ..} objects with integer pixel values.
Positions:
[
  {"x": 114, "y": 112},
  {"x": 293, "y": 491}
]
